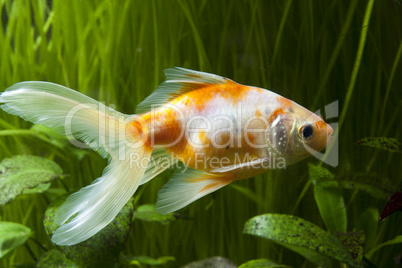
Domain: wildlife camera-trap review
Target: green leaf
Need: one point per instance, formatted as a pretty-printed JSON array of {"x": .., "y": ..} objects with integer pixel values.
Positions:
[
  {"x": 384, "y": 143},
  {"x": 261, "y": 263},
  {"x": 377, "y": 185},
  {"x": 354, "y": 243},
  {"x": 365, "y": 187},
  {"x": 41, "y": 188},
  {"x": 101, "y": 250},
  {"x": 368, "y": 222},
  {"x": 147, "y": 213},
  {"x": 12, "y": 235},
  {"x": 299, "y": 235},
  {"x": 329, "y": 199},
  {"x": 23, "y": 172},
  {"x": 311, "y": 255},
  {"x": 396, "y": 240}
]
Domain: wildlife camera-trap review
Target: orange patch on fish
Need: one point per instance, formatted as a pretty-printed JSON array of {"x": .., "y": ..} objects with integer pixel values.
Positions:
[
  {"x": 210, "y": 186},
  {"x": 137, "y": 132},
  {"x": 251, "y": 139},
  {"x": 274, "y": 114},
  {"x": 166, "y": 126},
  {"x": 284, "y": 101},
  {"x": 203, "y": 138},
  {"x": 135, "y": 127},
  {"x": 182, "y": 150},
  {"x": 199, "y": 99},
  {"x": 215, "y": 181},
  {"x": 320, "y": 124},
  {"x": 224, "y": 139},
  {"x": 247, "y": 146}
]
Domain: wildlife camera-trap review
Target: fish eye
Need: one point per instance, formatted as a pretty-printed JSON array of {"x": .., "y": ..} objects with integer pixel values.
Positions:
[{"x": 306, "y": 131}]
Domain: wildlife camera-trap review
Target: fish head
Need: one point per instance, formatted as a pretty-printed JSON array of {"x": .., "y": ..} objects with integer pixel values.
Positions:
[{"x": 297, "y": 133}]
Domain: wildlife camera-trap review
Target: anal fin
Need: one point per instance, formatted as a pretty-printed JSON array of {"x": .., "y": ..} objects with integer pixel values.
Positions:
[
  {"x": 184, "y": 188},
  {"x": 254, "y": 164}
]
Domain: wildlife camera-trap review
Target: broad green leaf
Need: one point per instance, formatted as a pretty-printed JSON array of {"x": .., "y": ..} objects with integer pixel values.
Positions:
[
  {"x": 41, "y": 188},
  {"x": 354, "y": 243},
  {"x": 23, "y": 172},
  {"x": 329, "y": 199},
  {"x": 396, "y": 240},
  {"x": 101, "y": 250},
  {"x": 261, "y": 263},
  {"x": 311, "y": 255},
  {"x": 12, "y": 235},
  {"x": 147, "y": 213},
  {"x": 384, "y": 143},
  {"x": 299, "y": 235}
]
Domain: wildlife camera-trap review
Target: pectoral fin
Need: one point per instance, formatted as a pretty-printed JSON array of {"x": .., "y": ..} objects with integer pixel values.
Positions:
[{"x": 184, "y": 188}]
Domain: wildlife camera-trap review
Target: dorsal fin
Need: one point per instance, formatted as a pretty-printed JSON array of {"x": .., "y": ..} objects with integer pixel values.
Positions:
[{"x": 178, "y": 82}]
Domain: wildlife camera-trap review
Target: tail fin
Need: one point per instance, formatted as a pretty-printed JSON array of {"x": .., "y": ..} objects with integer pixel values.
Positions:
[{"x": 101, "y": 128}]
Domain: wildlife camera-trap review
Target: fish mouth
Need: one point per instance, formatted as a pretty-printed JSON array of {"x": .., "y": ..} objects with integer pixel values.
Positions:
[
  {"x": 330, "y": 135},
  {"x": 324, "y": 139}
]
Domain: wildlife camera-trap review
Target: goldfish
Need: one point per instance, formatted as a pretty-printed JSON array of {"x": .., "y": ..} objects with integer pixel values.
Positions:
[{"x": 220, "y": 130}]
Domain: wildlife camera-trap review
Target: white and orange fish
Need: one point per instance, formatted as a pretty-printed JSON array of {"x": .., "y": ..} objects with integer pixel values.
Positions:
[{"x": 222, "y": 131}]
